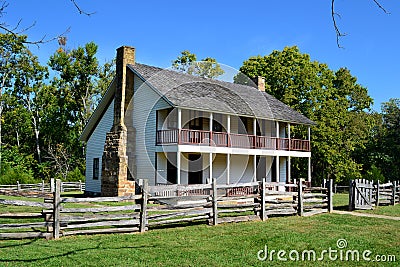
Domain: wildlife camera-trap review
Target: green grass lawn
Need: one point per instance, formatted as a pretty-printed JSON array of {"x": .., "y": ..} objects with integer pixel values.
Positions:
[
  {"x": 222, "y": 245},
  {"x": 341, "y": 202}
]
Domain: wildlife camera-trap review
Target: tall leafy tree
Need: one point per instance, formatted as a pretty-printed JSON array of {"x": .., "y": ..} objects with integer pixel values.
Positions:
[
  {"x": 77, "y": 70},
  {"x": 206, "y": 68},
  {"x": 334, "y": 100},
  {"x": 389, "y": 141},
  {"x": 80, "y": 83},
  {"x": 22, "y": 80}
]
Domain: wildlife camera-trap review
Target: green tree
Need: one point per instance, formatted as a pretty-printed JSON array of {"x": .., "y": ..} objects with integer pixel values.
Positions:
[
  {"x": 389, "y": 141},
  {"x": 334, "y": 100},
  {"x": 22, "y": 78},
  {"x": 77, "y": 71},
  {"x": 206, "y": 68},
  {"x": 80, "y": 83}
]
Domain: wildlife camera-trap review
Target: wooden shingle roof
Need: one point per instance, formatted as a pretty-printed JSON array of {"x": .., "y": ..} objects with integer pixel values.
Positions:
[{"x": 192, "y": 92}]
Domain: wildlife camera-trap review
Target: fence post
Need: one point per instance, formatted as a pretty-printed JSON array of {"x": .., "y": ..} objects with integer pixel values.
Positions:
[
  {"x": 42, "y": 186},
  {"x": 393, "y": 201},
  {"x": 214, "y": 201},
  {"x": 263, "y": 215},
  {"x": 377, "y": 194},
  {"x": 80, "y": 186},
  {"x": 143, "y": 210},
  {"x": 51, "y": 185},
  {"x": 300, "y": 197},
  {"x": 56, "y": 209},
  {"x": 330, "y": 195},
  {"x": 18, "y": 186},
  {"x": 351, "y": 195}
]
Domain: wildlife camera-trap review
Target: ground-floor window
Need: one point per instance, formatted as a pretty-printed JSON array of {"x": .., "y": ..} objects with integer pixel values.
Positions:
[{"x": 96, "y": 168}]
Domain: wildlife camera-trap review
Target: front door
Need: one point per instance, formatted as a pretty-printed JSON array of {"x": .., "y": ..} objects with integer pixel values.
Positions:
[
  {"x": 195, "y": 169},
  {"x": 171, "y": 173}
]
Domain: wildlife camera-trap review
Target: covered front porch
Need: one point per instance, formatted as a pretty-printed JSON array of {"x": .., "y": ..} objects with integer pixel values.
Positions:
[{"x": 198, "y": 168}]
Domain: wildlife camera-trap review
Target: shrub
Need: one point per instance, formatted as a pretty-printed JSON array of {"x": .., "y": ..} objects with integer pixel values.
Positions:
[
  {"x": 75, "y": 176},
  {"x": 11, "y": 175}
]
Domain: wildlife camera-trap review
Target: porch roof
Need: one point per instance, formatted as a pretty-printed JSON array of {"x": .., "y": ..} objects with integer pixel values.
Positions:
[{"x": 188, "y": 91}]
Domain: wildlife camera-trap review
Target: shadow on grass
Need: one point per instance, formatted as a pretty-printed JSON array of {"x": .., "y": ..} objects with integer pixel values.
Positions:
[
  {"x": 73, "y": 252},
  {"x": 343, "y": 208},
  {"x": 178, "y": 224},
  {"x": 18, "y": 244}
]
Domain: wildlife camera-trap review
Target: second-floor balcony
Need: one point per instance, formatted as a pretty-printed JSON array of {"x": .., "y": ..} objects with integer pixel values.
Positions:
[{"x": 223, "y": 139}]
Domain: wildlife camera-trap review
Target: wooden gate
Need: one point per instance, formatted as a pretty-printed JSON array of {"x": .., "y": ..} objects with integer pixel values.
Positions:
[{"x": 361, "y": 194}]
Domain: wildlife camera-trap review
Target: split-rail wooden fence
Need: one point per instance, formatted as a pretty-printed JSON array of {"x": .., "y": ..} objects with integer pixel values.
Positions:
[
  {"x": 163, "y": 205},
  {"x": 364, "y": 194},
  {"x": 43, "y": 187}
]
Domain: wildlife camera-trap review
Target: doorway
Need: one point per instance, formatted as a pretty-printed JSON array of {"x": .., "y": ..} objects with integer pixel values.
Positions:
[
  {"x": 195, "y": 175},
  {"x": 172, "y": 171}
]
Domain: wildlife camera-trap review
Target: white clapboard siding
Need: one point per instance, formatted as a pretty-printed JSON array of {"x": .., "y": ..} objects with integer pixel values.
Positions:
[
  {"x": 146, "y": 103},
  {"x": 95, "y": 148},
  {"x": 241, "y": 169},
  {"x": 219, "y": 168}
]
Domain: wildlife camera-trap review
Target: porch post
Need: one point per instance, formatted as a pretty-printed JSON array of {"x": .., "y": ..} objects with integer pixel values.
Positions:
[
  {"x": 179, "y": 118},
  {"x": 228, "y": 168},
  {"x": 309, "y": 169},
  {"x": 211, "y": 121},
  {"x": 289, "y": 170},
  {"x": 277, "y": 168},
  {"x": 211, "y": 129},
  {"x": 277, "y": 135},
  {"x": 228, "y": 123},
  {"x": 255, "y": 168},
  {"x": 211, "y": 167},
  {"x": 178, "y": 167},
  {"x": 277, "y": 128},
  {"x": 254, "y": 129},
  {"x": 288, "y": 132}
]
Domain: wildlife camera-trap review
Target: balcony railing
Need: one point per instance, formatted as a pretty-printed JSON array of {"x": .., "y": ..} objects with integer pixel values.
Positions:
[{"x": 220, "y": 139}]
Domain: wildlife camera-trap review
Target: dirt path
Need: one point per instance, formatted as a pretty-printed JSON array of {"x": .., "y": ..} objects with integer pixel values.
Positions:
[{"x": 366, "y": 215}]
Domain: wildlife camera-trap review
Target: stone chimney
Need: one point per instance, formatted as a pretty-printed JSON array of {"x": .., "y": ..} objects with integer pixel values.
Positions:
[
  {"x": 125, "y": 56},
  {"x": 261, "y": 83},
  {"x": 116, "y": 176}
]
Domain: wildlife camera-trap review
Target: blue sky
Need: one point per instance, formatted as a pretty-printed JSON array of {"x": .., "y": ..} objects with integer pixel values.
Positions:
[{"x": 230, "y": 31}]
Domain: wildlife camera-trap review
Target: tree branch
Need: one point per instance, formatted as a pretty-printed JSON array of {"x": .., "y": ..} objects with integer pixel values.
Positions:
[
  {"x": 381, "y": 7},
  {"x": 334, "y": 14},
  {"x": 81, "y": 11},
  {"x": 338, "y": 33},
  {"x": 16, "y": 32}
]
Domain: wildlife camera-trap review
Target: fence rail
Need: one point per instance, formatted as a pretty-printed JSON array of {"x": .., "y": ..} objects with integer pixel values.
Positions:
[
  {"x": 44, "y": 187},
  {"x": 204, "y": 203}
]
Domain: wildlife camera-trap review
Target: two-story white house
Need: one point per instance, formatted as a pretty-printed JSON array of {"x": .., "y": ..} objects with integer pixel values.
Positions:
[{"x": 171, "y": 127}]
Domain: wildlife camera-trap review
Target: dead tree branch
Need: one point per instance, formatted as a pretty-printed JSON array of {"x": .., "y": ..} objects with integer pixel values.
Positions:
[
  {"x": 338, "y": 32},
  {"x": 81, "y": 11},
  {"x": 335, "y": 15},
  {"x": 381, "y": 7},
  {"x": 16, "y": 31}
]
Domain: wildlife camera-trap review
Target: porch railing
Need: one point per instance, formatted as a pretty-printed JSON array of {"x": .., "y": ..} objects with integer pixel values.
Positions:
[{"x": 221, "y": 139}]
